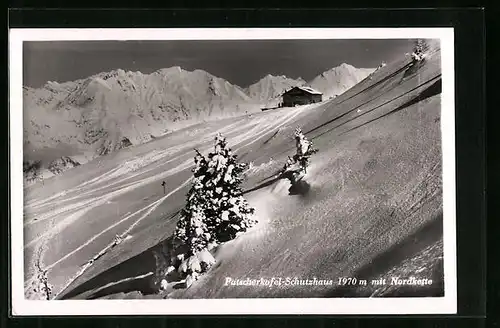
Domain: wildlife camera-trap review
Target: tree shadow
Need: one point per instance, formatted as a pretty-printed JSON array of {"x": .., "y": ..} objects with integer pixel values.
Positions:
[
  {"x": 275, "y": 175},
  {"x": 133, "y": 274},
  {"x": 300, "y": 187},
  {"x": 141, "y": 284},
  {"x": 432, "y": 90},
  {"x": 262, "y": 185},
  {"x": 414, "y": 67},
  {"x": 428, "y": 234},
  {"x": 378, "y": 83}
]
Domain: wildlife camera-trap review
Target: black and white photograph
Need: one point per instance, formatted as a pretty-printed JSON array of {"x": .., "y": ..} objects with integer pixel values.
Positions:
[{"x": 269, "y": 171}]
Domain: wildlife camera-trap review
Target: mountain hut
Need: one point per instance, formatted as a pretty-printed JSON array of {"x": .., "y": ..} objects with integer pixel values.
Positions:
[{"x": 301, "y": 96}]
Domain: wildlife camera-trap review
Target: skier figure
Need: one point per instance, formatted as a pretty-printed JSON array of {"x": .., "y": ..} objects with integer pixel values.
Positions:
[{"x": 163, "y": 184}]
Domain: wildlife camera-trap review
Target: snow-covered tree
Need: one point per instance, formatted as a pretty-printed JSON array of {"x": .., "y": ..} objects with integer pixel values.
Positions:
[
  {"x": 191, "y": 229},
  {"x": 419, "y": 50},
  {"x": 300, "y": 161},
  {"x": 228, "y": 212},
  {"x": 215, "y": 211}
]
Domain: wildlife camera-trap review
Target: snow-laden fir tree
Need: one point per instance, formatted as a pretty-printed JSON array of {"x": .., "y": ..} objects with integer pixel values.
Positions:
[
  {"x": 215, "y": 211},
  {"x": 304, "y": 148},
  {"x": 297, "y": 165},
  {"x": 419, "y": 50},
  {"x": 228, "y": 213},
  {"x": 191, "y": 230}
]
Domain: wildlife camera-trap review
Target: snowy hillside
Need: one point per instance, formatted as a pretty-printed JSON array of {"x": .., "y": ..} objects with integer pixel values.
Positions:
[
  {"x": 332, "y": 82},
  {"x": 87, "y": 118},
  {"x": 371, "y": 205},
  {"x": 269, "y": 89},
  {"x": 109, "y": 111},
  {"x": 339, "y": 79}
]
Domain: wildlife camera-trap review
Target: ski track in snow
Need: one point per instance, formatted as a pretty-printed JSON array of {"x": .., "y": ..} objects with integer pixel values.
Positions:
[
  {"x": 94, "y": 190},
  {"x": 122, "y": 170},
  {"x": 109, "y": 175},
  {"x": 121, "y": 281},
  {"x": 261, "y": 129},
  {"x": 150, "y": 208},
  {"x": 253, "y": 132},
  {"x": 100, "y": 180},
  {"x": 98, "y": 201}
]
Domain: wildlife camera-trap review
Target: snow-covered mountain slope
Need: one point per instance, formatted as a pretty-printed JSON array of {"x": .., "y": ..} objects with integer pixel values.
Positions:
[
  {"x": 109, "y": 111},
  {"x": 87, "y": 118},
  {"x": 62, "y": 164},
  {"x": 339, "y": 79},
  {"x": 269, "y": 89},
  {"x": 332, "y": 82},
  {"x": 371, "y": 204},
  {"x": 35, "y": 171}
]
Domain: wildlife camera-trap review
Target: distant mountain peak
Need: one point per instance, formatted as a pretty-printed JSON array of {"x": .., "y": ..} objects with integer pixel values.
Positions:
[
  {"x": 339, "y": 79},
  {"x": 268, "y": 89},
  {"x": 170, "y": 70},
  {"x": 92, "y": 116}
]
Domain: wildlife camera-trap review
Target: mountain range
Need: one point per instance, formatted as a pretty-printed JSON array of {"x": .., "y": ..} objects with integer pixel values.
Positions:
[{"x": 70, "y": 123}]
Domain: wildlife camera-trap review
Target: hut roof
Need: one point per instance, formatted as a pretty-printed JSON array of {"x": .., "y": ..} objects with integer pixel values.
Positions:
[{"x": 307, "y": 89}]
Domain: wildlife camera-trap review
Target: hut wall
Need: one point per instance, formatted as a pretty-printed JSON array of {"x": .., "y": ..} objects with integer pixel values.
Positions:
[{"x": 292, "y": 99}]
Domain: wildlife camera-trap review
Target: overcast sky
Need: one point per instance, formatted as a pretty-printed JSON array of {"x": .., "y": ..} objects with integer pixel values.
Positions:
[{"x": 239, "y": 62}]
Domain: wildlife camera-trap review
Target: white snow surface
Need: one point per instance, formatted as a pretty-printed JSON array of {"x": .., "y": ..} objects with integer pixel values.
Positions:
[
  {"x": 87, "y": 118},
  {"x": 96, "y": 114},
  {"x": 375, "y": 180},
  {"x": 269, "y": 89},
  {"x": 339, "y": 79},
  {"x": 310, "y": 90}
]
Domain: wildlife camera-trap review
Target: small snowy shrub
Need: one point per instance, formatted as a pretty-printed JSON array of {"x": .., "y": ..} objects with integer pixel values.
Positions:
[
  {"x": 419, "y": 50},
  {"x": 300, "y": 161}
]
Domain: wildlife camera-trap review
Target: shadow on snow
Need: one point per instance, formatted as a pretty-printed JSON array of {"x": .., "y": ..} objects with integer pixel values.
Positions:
[{"x": 427, "y": 235}]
